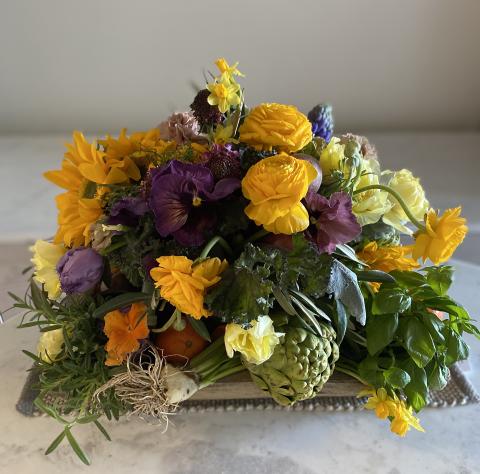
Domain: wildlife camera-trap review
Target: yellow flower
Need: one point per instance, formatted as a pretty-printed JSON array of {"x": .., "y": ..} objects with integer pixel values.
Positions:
[
  {"x": 277, "y": 126},
  {"x": 224, "y": 93},
  {"x": 332, "y": 159},
  {"x": 388, "y": 259},
  {"x": 223, "y": 135},
  {"x": 124, "y": 331},
  {"x": 50, "y": 345},
  {"x": 380, "y": 401},
  {"x": 441, "y": 237},
  {"x": 412, "y": 193},
  {"x": 76, "y": 219},
  {"x": 45, "y": 259},
  {"x": 183, "y": 284},
  {"x": 370, "y": 205},
  {"x": 275, "y": 186},
  {"x": 130, "y": 153},
  {"x": 225, "y": 68},
  {"x": 403, "y": 419},
  {"x": 256, "y": 344}
]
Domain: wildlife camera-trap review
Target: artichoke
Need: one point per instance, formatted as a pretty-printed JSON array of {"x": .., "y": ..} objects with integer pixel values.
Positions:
[
  {"x": 301, "y": 363},
  {"x": 385, "y": 235}
]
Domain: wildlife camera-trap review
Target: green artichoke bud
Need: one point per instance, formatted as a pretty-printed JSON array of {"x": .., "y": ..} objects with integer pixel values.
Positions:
[
  {"x": 301, "y": 363},
  {"x": 385, "y": 235}
]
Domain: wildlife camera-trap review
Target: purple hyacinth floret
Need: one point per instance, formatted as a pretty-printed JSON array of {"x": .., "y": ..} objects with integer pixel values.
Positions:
[
  {"x": 127, "y": 211},
  {"x": 180, "y": 199},
  {"x": 321, "y": 117},
  {"x": 332, "y": 221},
  {"x": 80, "y": 270}
]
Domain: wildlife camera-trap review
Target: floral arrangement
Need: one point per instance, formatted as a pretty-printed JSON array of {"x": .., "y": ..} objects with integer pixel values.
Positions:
[{"x": 233, "y": 239}]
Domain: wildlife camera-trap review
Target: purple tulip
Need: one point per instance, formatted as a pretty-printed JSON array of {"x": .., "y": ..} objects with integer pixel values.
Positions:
[
  {"x": 181, "y": 197},
  {"x": 80, "y": 270},
  {"x": 332, "y": 220},
  {"x": 127, "y": 211}
]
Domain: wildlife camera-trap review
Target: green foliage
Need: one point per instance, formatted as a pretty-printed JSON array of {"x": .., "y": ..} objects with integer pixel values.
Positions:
[{"x": 404, "y": 346}]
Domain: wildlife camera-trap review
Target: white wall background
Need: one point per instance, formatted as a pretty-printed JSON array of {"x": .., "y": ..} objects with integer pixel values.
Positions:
[{"x": 99, "y": 65}]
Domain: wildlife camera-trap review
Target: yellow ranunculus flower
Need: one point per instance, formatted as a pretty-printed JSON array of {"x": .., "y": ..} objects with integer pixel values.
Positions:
[
  {"x": 331, "y": 159},
  {"x": 45, "y": 258},
  {"x": 388, "y": 259},
  {"x": 256, "y": 344},
  {"x": 412, "y": 193},
  {"x": 275, "y": 186},
  {"x": 277, "y": 126},
  {"x": 50, "y": 345},
  {"x": 224, "y": 93},
  {"x": 370, "y": 205},
  {"x": 183, "y": 284},
  {"x": 442, "y": 235}
]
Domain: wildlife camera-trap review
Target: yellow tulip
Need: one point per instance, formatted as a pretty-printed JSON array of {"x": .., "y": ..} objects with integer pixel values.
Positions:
[{"x": 275, "y": 186}]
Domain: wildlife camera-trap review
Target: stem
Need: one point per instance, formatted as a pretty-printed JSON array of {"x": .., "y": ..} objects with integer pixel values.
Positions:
[
  {"x": 258, "y": 235},
  {"x": 397, "y": 196},
  {"x": 351, "y": 373},
  {"x": 222, "y": 374},
  {"x": 216, "y": 240}
]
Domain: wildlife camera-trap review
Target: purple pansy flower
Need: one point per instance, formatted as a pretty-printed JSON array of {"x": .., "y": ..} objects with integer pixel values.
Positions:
[
  {"x": 180, "y": 199},
  {"x": 332, "y": 220},
  {"x": 127, "y": 211},
  {"x": 80, "y": 270}
]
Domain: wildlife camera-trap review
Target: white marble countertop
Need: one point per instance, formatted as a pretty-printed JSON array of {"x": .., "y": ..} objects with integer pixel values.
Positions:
[{"x": 245, "y": 442}]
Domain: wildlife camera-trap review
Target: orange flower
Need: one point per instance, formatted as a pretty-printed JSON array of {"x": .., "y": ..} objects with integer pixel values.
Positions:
[
  {"x": 124, "y": 330},
  {"x": 388, "y": 259}
]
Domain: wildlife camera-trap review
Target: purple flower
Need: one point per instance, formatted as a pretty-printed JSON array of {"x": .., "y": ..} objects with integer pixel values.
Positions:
[
  {"x": 180, "y": 199},
  {"x": 223, "y": 162},
  {"x": 127, "y": 211},
  {"x": 80, "y": 270},
  {"x": 332, "y": 220}
]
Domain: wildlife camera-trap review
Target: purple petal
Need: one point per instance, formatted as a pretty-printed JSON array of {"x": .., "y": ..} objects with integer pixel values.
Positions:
[
  {"x": 223, "y": 188},
  {"x": 127, "y": 211},
  {"x": 199, "y": 175},
  {"x": 170, "y": 202},
  {"x": 193, "y": 233}
]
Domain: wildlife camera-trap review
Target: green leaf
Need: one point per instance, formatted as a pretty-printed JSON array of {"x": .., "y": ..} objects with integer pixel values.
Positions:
[
  {"x": 439, "y": 278},
  {"x": 344, "y": 250},
  {"x": 241, "y": 296},
  {"x": 435, "y": 326},
  {"x": 457, "y": 349},
  {"x": 417, "y": 341},
  {"x": 397, "y": 378},
  {"x": 391, "y": 301},
  {"x": 408, "y": 279},
  {"x": 50, "y": 411},
  {"x": 380, "y": 331},
  {"x": 283, "y": 299},
  {"x": 76, "y": 447},
  {"x": 375, "y": 276},
  {"x": 437, "y": 375},
  {"x": 102, "y": 430},
  {"x": 120, "y": 301},
  {"x": 343, "y": 285},
  {"x": 55, "y": 443},
  {"x": 340, "y": 320},
  {"x": 200, "y": 328},
  {"x": 369, "y": 371},
  {"x": 416, "y": 390}
]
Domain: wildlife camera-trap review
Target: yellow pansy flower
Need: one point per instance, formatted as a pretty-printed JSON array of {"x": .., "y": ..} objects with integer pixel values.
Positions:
[
  {"x": 275, "y": 186},
  {"x": 224, "y": 93},
  {"x": 256, "y": 344},
  {"x": 441, "y": 237},
  {"x": 184, "y": 285},
  {"x": 45, "y": 258},
  {"x": 278, "y": 126}
]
